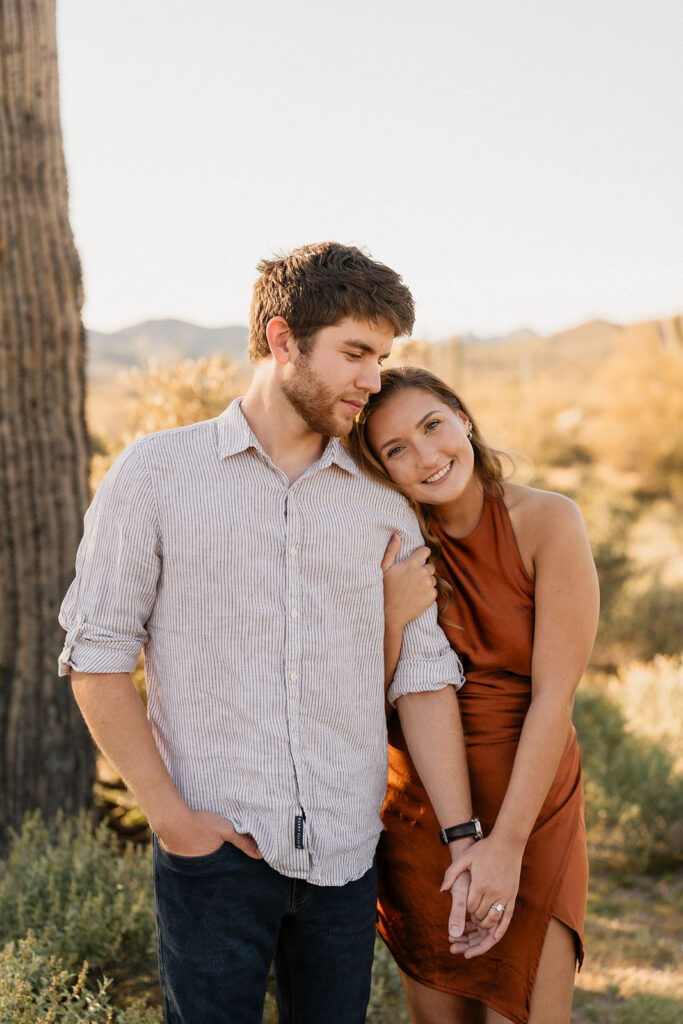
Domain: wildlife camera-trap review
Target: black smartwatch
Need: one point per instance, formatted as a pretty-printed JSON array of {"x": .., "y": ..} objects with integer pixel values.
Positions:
[{"x": 468, "y": 830}]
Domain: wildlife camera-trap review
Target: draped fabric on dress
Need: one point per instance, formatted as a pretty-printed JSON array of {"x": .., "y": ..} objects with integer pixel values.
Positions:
[{"x": 490, "y": 623}]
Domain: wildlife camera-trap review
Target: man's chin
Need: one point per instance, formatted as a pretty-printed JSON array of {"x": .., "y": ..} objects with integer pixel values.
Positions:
[{"x": 345, "y": 421}]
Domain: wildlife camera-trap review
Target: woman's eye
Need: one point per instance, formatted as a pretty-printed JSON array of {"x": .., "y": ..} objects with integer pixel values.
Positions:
[
  {"x": 432, "y": 424},
  {"x": 394, "y": 451}
]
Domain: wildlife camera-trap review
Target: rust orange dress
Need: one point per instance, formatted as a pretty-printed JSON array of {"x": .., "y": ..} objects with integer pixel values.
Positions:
[{"x": 494, "y": 607}]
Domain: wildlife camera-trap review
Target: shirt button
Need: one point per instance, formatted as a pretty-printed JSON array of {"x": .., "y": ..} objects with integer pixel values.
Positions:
[
  {"x": 292, "y": 550},
  {"x": 293, "y": 677},
  {"x": 294, "y": 613}
]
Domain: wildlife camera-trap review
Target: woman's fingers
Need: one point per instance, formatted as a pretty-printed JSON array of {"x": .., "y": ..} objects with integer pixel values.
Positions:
[
  {"x": 391, "y": 553},
  {"x": 409, "y": 586},
  {"x": 419, "y": 555},
  {"x": 481, "y": 943},
  {"x": 454, "y": 869},
  {"x": 492, "y": 917},
  {"x": 502, "y": 927}
]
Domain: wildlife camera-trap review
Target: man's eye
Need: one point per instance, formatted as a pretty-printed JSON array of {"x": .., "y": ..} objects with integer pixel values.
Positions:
[{"x": 352, "y": 355}]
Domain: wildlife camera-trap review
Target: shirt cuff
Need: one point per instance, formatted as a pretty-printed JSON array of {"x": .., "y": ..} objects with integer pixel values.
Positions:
[
  {"x": 418, "y": 677},
  {"x": 92, "y": 649}
]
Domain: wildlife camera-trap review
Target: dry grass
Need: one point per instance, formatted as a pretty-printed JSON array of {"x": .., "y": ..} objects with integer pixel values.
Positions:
[
  {"x": 633, "y": 950},
  {"x": 601, "y": 415}
]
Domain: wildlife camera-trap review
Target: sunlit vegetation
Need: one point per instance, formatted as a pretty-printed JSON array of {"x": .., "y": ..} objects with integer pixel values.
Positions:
[{"x": 599, "y": 413}]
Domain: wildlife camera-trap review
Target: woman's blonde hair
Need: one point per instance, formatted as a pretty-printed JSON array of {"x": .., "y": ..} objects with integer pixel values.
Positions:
[{"x": 488, "y": 466}]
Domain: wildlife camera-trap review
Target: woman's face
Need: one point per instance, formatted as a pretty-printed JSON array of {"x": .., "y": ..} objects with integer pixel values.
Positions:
[{"x": 422, "y": 443}]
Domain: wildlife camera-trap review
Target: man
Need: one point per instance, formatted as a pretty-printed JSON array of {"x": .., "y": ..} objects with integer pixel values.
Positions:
[{"x": 244, "y": 554}]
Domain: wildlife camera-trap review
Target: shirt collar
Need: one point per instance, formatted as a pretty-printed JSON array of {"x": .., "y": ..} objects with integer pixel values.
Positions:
[{"x": 235, "y": 435}]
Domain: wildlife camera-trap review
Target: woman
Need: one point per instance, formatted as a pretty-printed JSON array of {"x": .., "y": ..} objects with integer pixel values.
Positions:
[{"x": 521, "y": 609}]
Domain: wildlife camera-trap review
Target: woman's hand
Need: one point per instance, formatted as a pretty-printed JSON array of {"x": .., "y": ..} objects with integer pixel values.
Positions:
[
  {"x": 409, "y": 586},
  {"x": 494, "y": 866}
]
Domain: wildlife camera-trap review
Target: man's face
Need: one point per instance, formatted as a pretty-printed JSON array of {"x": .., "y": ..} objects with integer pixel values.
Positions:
[{"x": 331, "y": 384}]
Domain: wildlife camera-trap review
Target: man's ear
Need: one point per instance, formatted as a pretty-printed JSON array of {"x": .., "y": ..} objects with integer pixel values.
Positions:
[{"x": 280, "y": 339}]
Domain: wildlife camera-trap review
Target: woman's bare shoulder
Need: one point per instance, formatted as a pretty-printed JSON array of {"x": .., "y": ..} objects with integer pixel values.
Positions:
[
  {"x": 532, "y": 501},
  {"x": 540, "y": 517}
]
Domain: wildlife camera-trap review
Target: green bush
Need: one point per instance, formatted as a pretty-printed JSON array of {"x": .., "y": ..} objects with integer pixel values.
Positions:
[
  {"x": 36, "y": 987},
  {"x": 630, "y": 783},
  {"x": 651, "y": 622},
  {"x": 387, "y": 1005},
  {"x": 82, "y": 895},
  {"x": 651, "y": 1008},
  {"x": 614, "y": 568}
]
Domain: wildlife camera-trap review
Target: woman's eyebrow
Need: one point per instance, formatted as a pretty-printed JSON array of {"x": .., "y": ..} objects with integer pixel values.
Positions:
[{"x": 417, "y": 426}]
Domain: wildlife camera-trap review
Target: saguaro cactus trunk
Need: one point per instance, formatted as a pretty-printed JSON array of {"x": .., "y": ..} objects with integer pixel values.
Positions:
[{"x": 45, "y": 753}]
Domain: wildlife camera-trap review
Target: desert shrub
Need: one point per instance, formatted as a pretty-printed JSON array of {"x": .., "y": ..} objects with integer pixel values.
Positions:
[
  {"x": 650, "y": 695},
  {"x": 614, "y": 568},
  {"x": 631, "y": 787},
  {"x": 387, "y": 1005},
  {"x": 82, "y": 895},
  {"x": 649, "y": 622},
  {"x": 640, "y": 616},
  {"x": 186, "y": 392},
  {"x": 35, "y": 986},
  {"x": 163, "y": 397},
  {"x": 639, "y": 427},
  {"x": 654, "y": 1009}
]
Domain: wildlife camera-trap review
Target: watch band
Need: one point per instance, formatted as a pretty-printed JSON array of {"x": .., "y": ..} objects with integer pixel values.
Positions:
[{"x": 467, "y": 830}]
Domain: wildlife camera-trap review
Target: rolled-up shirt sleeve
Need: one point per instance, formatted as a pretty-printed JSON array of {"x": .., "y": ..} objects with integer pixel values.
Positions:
[
  {"x": 118, "y": 565},
  {"x": 427, "y": 662}
]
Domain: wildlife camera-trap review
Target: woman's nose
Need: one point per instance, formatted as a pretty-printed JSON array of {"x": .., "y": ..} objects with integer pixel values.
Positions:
[{"x": 426, "y": 454}]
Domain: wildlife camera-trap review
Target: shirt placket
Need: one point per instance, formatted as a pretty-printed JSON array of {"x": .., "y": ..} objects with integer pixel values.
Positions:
[{"x": 293, "y": 663}]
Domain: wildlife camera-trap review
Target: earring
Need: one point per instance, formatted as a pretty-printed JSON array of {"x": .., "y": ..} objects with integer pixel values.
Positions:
[{"x": 469, "y": 431}]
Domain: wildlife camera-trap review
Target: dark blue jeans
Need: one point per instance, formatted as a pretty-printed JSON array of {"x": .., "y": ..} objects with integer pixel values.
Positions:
[{"x": 224, "y": 918}]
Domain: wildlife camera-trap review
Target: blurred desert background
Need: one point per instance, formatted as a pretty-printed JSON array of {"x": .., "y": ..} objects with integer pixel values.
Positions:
[
  {"x": 595, "y": 411},
  {"x": 521, "y": 166}
]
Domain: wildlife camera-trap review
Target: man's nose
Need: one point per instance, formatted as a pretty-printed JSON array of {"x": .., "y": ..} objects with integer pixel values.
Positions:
[{"x": 369, "y": 379}]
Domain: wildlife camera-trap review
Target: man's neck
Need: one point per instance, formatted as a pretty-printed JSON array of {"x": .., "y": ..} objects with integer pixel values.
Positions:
[{"x": 289, "y": 443}]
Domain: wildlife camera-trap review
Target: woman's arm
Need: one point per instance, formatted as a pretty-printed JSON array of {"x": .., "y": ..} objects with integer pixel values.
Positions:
[
  {"x": 566, "y": 615},
  {"x": 409, "y": 589}
]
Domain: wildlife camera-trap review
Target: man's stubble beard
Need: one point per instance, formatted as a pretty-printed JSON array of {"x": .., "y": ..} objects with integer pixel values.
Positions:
[{"x": 313, "y": 400}]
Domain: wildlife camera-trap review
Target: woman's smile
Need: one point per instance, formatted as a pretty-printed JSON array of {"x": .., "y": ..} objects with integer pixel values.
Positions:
[{"x": 440, "y": 475}]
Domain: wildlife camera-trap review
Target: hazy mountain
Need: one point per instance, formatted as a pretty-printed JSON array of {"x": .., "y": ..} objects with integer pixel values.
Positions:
[
  {"x": 522, "y": 334},
  {"x": 169, "y": 341},
  {"x": 165, "y": 341}
]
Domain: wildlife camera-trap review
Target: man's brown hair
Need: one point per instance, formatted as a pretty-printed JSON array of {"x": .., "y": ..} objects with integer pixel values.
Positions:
[{"x": 318, "y": 286}]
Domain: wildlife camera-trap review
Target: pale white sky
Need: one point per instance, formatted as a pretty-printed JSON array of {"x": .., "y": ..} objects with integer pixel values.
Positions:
[{"x": 519, "y": 163}]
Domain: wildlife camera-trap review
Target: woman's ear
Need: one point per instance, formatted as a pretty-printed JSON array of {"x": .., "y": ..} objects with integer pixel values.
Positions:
[{"x": 280, "y": 339}]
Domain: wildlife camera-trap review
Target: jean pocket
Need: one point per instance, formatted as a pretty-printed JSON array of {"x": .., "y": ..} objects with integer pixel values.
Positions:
[{"x": 181, "y": 859}]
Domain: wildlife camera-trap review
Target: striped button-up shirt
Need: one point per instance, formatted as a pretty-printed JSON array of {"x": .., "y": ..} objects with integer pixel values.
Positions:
[{"x": 259, "y": 606}]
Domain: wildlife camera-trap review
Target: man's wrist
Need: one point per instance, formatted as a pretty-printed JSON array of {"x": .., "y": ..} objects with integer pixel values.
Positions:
[{"x": 169, "y": 823}]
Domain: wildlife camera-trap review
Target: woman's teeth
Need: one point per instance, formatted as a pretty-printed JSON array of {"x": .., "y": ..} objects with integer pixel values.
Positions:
[{"x": 437, "y": 476}]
